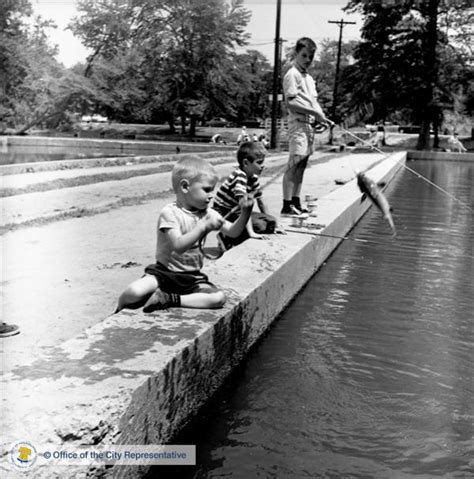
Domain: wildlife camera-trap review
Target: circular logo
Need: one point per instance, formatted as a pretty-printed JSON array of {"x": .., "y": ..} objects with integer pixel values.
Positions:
[{"x": 23, "y": 454}]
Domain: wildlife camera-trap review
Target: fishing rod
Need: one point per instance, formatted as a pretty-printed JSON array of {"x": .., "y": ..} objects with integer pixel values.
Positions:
[
  {"x": 221, "y": 250},
  {"x": 418, "y": 175}
]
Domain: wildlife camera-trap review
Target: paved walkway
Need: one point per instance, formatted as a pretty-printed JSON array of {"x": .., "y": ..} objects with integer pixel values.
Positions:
[
  {"x": 81, "y": 378},
  {"x": 63, "y": 276}
]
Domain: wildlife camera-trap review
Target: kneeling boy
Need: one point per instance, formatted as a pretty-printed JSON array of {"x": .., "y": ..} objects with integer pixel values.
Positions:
[{"x": 244, "y": 181}]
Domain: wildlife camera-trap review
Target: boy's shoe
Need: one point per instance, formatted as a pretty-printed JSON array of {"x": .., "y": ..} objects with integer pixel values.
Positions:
[
  {"x": 158, "y": 300},
  {"x": 291, "y": 211},
  {"x": 303, "y": 211},
  {"x": 8, "y": 330},
  {"x": 297, "y": 204}
]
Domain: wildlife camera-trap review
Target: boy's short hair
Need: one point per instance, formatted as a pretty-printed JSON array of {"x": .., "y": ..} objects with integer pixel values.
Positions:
[
  {"x": 305, "y": 42},
  {"x": 252, "y": 150},
  {"x": 191, "y": 169}
]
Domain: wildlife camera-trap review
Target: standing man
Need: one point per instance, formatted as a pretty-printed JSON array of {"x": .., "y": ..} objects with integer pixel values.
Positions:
[{"x": 303, "y": 112}]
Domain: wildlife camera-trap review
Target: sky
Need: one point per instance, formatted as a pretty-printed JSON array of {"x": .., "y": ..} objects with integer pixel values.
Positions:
[{"x": 298, "y": 18}]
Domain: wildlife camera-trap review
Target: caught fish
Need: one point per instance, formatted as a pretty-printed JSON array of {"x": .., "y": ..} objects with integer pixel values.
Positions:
[{"x": 370, "y": 189}]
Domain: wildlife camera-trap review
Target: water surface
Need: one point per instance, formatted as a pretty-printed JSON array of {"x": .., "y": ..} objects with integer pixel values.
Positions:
[{"x": 369, "y": 373}]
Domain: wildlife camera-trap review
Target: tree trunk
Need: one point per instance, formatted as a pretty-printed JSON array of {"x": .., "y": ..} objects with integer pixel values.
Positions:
[
  {"x": 41, "y": 117},
  {"x": 431, "y": 40},
  {"x": 192, "y": 127},
  {"x": 170, "y": 120}
]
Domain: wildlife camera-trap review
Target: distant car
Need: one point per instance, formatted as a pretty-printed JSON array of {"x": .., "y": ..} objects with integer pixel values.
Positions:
[
  {"x": 251, "y": 123},
  {"x": 219, "y": 122},
  {"x": 94, "y": 118}
]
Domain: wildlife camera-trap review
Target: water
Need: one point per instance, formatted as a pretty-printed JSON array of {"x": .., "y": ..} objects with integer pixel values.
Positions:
[
  {"x": 370, "y": 372},
  {"x": 26, "y": 154}
]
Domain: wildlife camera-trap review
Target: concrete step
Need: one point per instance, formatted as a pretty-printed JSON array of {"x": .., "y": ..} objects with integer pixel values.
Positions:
[
  {"x": 100, "y": 192},
  {"x": 37, "y": 179}
]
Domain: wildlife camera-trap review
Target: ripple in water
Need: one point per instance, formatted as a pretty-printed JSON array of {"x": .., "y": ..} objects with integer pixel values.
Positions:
[{"x": 369, "y": 373}]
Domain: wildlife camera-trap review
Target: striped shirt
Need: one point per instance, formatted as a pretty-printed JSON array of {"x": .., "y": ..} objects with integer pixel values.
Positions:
[{"x": 233, "y": 189}]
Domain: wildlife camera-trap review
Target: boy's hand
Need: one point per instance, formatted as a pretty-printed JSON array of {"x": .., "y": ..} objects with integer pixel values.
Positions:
[
  {"x": 329, "y": 122},
  {"x": 213, "y": 220},
  {"x": 280, "y": 231},
  {"x": 257, "y": 236},
  {"x": 246, "y": 202}
]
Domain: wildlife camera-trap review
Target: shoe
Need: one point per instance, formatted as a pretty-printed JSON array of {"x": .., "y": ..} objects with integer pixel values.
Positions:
[
  {"x": 158, "y": 300},
  {"x": 8, "y": 330},
  {"x": 300, "y": 208},
  {"x": 290, "y": 211},
  {"x": 304, "y": 211}
]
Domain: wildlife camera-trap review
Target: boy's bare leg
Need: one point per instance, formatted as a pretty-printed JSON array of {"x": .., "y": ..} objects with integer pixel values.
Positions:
[
  {"x": 289, "y": 178},
  {"x": 203, "y": 300},
  {"x": 161, "y": 300},
  {"x": 137, "y": 291},
  {"x": 299, "y": 172}
]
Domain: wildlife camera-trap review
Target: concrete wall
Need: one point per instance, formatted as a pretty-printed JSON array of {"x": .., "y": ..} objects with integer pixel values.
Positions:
[
  {"x": 439, "y": 155},
  {"x": 121, "y": 145},
  {"x": 138, "y": 379}
]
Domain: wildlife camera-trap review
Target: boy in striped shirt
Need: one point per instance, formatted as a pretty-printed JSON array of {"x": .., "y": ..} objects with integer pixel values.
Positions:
[{"x": 244, "y": 180}]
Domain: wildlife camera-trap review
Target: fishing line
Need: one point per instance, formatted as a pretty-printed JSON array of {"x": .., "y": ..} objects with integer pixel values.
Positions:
[
  {"x": 378, "y": 150},
  {"x": 360, "y": 240},
  {"x": 221, "y": 251}
]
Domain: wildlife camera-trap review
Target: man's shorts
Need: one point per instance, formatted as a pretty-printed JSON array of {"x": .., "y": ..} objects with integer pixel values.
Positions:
[
  {"x": 301, "y": 139},
  {"x": 180, "y": 282}
]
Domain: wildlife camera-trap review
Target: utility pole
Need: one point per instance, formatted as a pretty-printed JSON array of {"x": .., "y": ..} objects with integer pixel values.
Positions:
[
  {"x": 341, "y": 24},
  {"x": 276, "y": 78}
]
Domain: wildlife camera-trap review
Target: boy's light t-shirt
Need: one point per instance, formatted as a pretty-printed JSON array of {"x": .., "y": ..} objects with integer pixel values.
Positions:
[
  {"x": 295, "y": 82},
  {"x": 173, "y": 216}
]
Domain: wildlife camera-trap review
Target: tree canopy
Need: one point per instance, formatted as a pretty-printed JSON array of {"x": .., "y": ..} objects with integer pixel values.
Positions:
[
  {"x": 177, "y": 59},
  {"x": 410, "y": 63},
  {"x": 182, "y": 54}
]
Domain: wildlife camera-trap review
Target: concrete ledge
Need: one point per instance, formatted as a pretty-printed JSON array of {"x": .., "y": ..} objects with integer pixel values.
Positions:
[
  {"x": 439, "y": 155},
  {"x": 146, "y": 158},
  {"x": 122, "y": 145},
  {"x": 138, "y": 379}
]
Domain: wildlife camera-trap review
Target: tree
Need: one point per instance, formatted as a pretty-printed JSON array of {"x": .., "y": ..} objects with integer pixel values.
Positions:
[
  {"x": 247, "y": 86},
  {"x": 35, "y": 88},
  {"x": 186, "y": 48},
  {"x": 398, "y": 61}
]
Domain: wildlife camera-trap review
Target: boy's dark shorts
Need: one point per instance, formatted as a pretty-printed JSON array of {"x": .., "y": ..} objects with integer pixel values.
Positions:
[
  {"x": 180, "y": 282},
  {"x": 262, "y": 224}
]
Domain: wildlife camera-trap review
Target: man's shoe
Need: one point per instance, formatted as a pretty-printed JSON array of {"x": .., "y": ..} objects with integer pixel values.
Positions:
[
  {"x": 158, "y": 300},
  {"x": 291, "y": 211}
]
